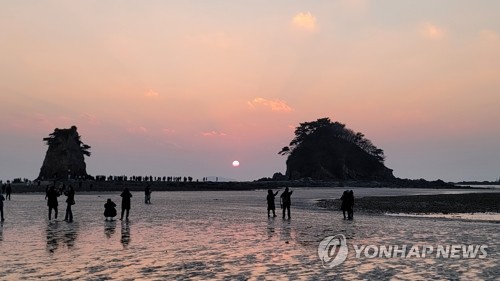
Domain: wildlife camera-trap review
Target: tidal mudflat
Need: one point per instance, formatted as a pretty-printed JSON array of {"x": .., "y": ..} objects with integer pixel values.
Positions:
[{"x": 227, "y": 235}]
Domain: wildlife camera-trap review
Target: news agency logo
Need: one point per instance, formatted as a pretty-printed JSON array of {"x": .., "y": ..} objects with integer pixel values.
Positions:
[{"x": 333, "y": 250}]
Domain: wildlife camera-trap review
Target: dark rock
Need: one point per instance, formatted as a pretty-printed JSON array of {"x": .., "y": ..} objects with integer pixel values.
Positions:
[
  {"x": 325, "y": 150},
  {"x": 65, "y": 156}
]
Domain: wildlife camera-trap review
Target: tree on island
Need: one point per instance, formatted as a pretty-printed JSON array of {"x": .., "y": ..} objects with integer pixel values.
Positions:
[
  {"x": 65, "y": 156},
  {"x": 327, "y": 150}
]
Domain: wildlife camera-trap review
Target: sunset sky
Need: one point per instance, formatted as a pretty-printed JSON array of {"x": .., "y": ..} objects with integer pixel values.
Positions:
[{"x": 183, "y": 88}]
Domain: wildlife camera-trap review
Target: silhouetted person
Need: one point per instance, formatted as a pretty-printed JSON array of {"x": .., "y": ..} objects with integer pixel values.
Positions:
[
  {"x": 1, "y": 206},
  {"x": 350, "y": 199},
  {"x": 345, "y": 203},
  {"x": 70, "y": 200},
  {"x": 52, "y": 195},
  {"x": 126, "y": 195},
  {"x": 286, "y": 202},
  {"x": 270, "y": 202},
  {"x": 147, "y": 195},
  {"x": 8, "y": 190},
  {"x": 109, "y": 209},
  {"x": 3, "y": 188}
]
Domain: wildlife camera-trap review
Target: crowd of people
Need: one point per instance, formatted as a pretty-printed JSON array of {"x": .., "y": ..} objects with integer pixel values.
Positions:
[{"x": 52, "y": 193}]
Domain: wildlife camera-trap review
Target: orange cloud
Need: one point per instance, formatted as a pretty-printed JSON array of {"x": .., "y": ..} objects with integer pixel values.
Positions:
[
  {"x": 305, "y": 21},
  {"x": 431, "y": 31},
  {"x": 274, "y": 105}
]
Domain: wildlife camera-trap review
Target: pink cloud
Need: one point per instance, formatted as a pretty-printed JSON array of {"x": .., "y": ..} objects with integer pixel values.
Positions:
[{"x": 213, "y": 134}]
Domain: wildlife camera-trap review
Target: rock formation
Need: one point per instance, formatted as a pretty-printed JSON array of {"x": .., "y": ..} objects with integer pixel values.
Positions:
[
  {"x": 323, "y": 150},
  {"x": 65, "y": 156}
]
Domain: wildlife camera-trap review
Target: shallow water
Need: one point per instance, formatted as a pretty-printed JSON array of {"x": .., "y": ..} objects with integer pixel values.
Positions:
[
  {"x": 227, "y": 236},
  {"x": 491, "y": 217}
]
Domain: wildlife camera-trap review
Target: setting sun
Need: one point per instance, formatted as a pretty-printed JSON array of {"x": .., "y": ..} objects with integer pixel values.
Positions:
[{"x": 236, "y": 163}]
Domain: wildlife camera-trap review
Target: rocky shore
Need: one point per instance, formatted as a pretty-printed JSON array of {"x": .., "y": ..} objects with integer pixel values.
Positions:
[{"x": 423, "y": 204}]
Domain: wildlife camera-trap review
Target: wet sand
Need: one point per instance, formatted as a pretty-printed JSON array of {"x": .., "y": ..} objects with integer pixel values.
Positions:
[
  {"x": 226, "y": 236},
  {"x": 423, "y": 204}
]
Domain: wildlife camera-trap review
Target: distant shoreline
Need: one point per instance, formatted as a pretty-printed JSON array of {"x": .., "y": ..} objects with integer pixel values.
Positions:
[{"x": 98, "y": 186}]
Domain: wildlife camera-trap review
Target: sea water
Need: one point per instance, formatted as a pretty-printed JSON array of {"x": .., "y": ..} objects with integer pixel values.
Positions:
[{"x": 228, "y": 236}]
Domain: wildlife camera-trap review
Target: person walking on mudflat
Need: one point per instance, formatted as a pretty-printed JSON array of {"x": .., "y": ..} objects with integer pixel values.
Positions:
[
  {"x": 270, "y": 202},
  {"x": 350, "y": 205},
  {"x": 286, "y": 202},
  {"x": 70, "y": 200},
  {"x": 8, "y": 190},
  {"x": 1, "y": 206},
  {"x": 126, "y": 195},
  {"x": 344, "y": 207},
  {"x": 52, "y": 195},
  {"x": 147, "y": 194}
]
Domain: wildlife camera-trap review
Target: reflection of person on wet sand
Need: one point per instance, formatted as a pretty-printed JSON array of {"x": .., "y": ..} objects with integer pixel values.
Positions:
[
  {"x": 270, "y": 202},
  {"x": 70, "y": 233},
  {"x": 286, "y": 232},
  {"x": 52, "y": 237},
  {"x": 286, "y": 201},
  {"x": 125, "y": 239},
  {"x": 126, "y": 195},
  {"x": 270, "y": 228},
  {"x": 109, "y": 228},
  {"x": 109, "y": 209},
  {"x": 52, "y": 195}
]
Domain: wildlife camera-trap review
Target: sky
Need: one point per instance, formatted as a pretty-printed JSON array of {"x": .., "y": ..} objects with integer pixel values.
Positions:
[{"x": 184, "y": 88}]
